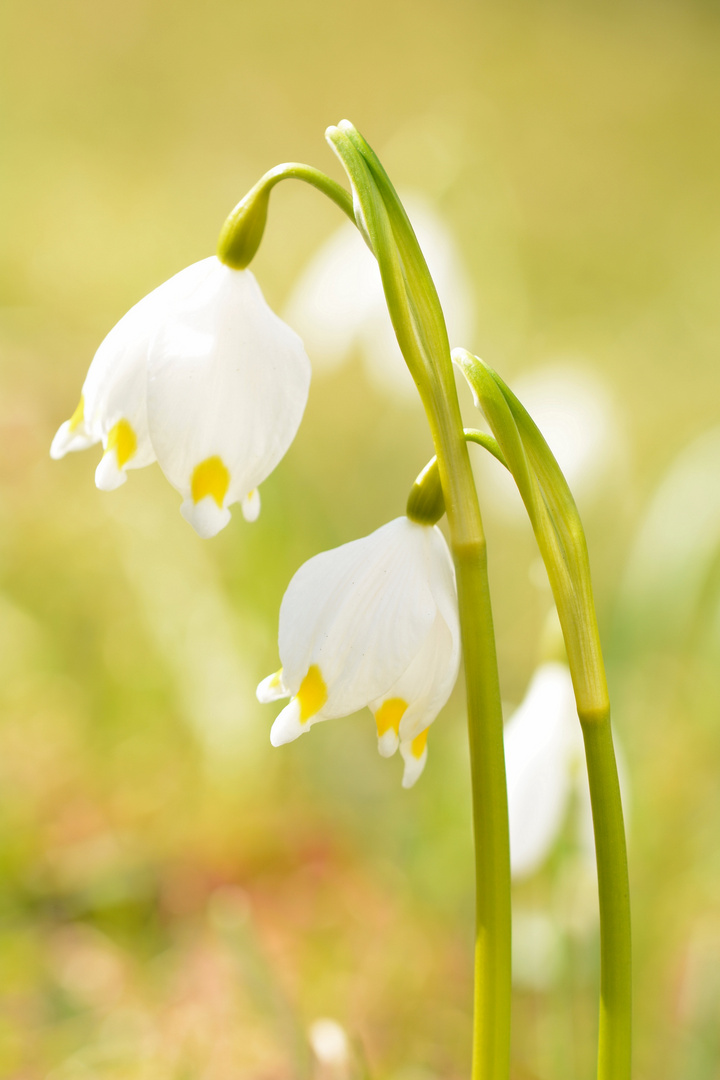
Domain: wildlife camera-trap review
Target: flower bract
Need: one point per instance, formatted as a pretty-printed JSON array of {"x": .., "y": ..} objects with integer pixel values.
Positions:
[
  {"x": 372, "y": 623},
  {"x": 203, "y": 377}
]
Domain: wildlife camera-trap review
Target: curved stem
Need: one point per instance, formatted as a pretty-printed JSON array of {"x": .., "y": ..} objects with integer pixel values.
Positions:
[
  {"x": 294, "y": 170},
  {"x": 615, "y": 1034},
  {"x": 243, "y": 229},
  {"x": 481, "y": 438}
]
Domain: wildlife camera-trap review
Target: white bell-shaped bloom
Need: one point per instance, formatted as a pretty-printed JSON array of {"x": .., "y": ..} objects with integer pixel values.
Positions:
[
  {"x": 204, "y": 378},
  {"x": 338, "y": 304},
  {"x": 545, "y": 763},
  {"x": 374, "y": 622}
]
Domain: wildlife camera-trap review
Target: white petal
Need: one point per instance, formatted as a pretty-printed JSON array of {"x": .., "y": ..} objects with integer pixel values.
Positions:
[
  {"x": 69, "y": 438},
  {"x": 272, "y": 688},
  {"x": 228, "y": 381},
  {"x": 288, "y": 726},
  {"x": 360, "y": 613},
  {"x": 250, "y": 505},
  {"x": 115, "y": 388},
  {"x": 388, "y": 742},
  {"x": 108, "y": 475},
  {"x": 116, "y": 383},
  {"x": 427, "y": 682},
  {"x": 540, "y": 747},
  {"x": 205, "y": 516},
  {"x": 414, "y": 765}
]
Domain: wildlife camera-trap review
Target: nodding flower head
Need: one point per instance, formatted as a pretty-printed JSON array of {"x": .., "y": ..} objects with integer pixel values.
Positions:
[
  {"x": 374, "y": 622},
  {"x": 203, "y": 377}
]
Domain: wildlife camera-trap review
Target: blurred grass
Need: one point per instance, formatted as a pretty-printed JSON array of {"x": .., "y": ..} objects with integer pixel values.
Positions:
[{"x": 178, "y": 899}]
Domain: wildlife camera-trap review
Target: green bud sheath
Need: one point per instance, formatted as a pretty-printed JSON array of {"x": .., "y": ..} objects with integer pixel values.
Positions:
[
  {"x": 426, "y": 504},
  {"x": 243, "y": 230}
]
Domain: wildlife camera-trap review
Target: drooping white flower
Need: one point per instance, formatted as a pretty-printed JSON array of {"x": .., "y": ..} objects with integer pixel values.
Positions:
[
  {"x": 203, "y": 377},
  {"x": 545, "y": 763},
  {"x": 338, "y": 304},
  {"x": 374, "y": 623}
]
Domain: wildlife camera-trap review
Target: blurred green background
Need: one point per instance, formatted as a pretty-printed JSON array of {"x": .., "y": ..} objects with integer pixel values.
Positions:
[{"x": 178, "y": 899}]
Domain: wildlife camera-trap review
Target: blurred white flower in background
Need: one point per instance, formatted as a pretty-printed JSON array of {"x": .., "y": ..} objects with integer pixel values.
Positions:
[
  {"x": 330, "y": 1046},
  {"x": 537, "y": 949},
  {"x": 545, "y": 766},
  {"x": 338, "y": 306},
  {"x": 546, "y": 771},
  {"x": 671, "y": 578}
]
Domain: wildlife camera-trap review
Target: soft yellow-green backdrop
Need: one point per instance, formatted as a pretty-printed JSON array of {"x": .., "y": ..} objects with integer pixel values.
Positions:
[{"x": 178, "y": 899}]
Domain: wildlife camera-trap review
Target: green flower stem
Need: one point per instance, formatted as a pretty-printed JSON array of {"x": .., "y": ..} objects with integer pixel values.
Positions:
[
  {"x": 561, "y": 540},
  {"x": 615, "y": 1034},
  {"x": 420, "y": 328}
]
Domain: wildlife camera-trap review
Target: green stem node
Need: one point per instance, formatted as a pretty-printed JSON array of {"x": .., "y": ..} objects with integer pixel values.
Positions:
[{"x": 243, "y": 230}]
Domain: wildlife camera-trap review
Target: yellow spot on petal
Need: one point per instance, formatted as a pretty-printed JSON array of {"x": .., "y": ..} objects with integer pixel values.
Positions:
[
  {"x": 210, "y": 477},
  {"x": 389, "y": 715},
  {"x": 275, "y": 680},
  {"x": 78, "y": 416},
  {"x": 122, "y": 439},
  {"x": 312, "y": 694},
  {"x": 417, "y": 746}
]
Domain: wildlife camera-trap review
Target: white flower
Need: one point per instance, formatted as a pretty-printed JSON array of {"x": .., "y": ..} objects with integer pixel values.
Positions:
[
  {"x": 374, "y": 623},
  {"x": 204, "y": 378},
  {"x": 338, "y": 304},
  {"x": 545, "y": 761}
]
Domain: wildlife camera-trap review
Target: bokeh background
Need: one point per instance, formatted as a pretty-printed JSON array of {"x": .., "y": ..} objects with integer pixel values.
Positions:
[{"x": 178, "y": 899}]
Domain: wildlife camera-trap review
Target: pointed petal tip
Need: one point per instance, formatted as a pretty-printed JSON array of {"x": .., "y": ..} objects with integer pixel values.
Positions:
[
  {"x": 67, "y": 439},
  {"x": 414, "y": 765},
  {"x": 287, "y": 726},
  {"x": 250, "y": 505},
  {"x": 388, "y": 743},
  {"x": 61, "y": 443},
  {"x": 414, "y": 768},
  {"x": 108, "y": 476},
  {"x": 271, "y": 689},
  {"x": 206, "y": 517}
]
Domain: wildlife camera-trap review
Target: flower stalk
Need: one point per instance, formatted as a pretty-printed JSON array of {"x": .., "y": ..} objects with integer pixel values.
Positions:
[
  {"x": 561, "y": 540},
  {"x": 420, "y": 329}
]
